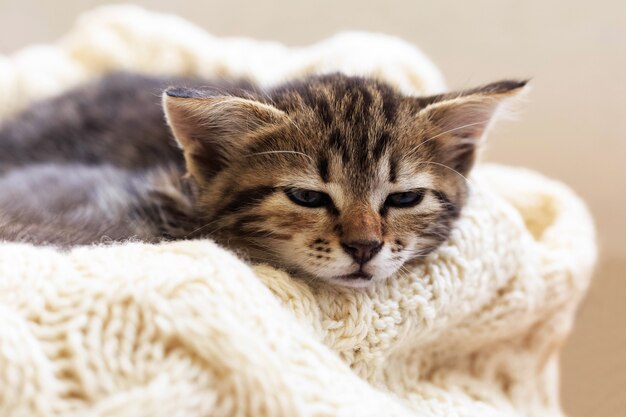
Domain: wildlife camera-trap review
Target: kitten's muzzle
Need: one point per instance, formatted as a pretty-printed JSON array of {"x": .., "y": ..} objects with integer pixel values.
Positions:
[{"x": 362, "y": 250}]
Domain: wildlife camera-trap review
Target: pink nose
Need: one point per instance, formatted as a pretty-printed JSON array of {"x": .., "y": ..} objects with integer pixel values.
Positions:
[{"x": 362, "y": 250}]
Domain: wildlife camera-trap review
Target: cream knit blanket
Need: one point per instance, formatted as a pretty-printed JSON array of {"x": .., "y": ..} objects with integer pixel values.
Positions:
[{"x": 187, "y": 329}]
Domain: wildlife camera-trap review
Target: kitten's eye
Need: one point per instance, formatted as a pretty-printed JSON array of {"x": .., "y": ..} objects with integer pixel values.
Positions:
[
  {"x": 307, "y": 198},
  {"x": 405, "y": 199}
]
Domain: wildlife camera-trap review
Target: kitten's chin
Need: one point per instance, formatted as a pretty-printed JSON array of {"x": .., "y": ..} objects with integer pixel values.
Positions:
[
  {"x": 355, "y": 279},
  {"x": 358, "y": 279},
  {"x": 351, "y": 282}
]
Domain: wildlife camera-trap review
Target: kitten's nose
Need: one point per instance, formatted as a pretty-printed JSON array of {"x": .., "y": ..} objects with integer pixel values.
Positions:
[{"x": 362, "y": 250}]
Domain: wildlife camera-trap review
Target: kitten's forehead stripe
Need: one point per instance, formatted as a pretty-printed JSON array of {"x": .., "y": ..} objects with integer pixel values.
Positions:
[
  {"x": 389, "y": 103},
  {"x": 338, "y": 143},
  {"x": 317, "y": 101},
  {"x": 381, "y": 144},
  {"x": 393, "y": 169},
  {"x": 362, "y": 154},
  {"x": 323, "y": 108},
  {"x": 361, "y": 95},
  {"x": 322, "y": 167},
  {"x": 352, "y": 100}
]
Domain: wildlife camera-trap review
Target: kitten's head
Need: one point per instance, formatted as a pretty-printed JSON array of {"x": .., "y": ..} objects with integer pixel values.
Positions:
[{"x": 340, "y": 178}]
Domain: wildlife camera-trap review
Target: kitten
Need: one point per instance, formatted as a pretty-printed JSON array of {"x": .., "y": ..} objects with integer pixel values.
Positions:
[{"x": 335, "y": 177}]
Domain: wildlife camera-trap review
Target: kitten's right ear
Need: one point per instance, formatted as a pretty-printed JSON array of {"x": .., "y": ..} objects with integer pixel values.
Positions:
[
  {"x": 457, "y": 121},
  {"x": 212, "y": 130}
]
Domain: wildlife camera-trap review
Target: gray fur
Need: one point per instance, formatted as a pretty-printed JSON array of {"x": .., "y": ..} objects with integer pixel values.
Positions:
[{"x": 100, "y": 164}]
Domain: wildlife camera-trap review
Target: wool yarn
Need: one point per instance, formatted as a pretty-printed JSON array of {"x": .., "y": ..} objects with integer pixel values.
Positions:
[{"x": 188, "y": 329}]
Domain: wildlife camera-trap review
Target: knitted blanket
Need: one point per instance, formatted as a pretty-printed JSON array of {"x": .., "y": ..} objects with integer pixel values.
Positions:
[{"x": 187, "y": 329}]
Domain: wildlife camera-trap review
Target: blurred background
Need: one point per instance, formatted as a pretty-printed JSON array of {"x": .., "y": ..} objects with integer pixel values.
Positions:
[{"x": 572, "y": 127}]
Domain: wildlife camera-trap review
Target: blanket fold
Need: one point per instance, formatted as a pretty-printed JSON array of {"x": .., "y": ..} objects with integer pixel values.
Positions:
[{"x": 187, "y": 329}]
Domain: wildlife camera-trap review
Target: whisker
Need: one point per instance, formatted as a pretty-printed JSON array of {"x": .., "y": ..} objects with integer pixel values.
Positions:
[
  {"x": 447, "y": 167},
  {"x": 205, "y": 226},
  {"x": 297, "y": 127},
  {"x": 451, "y": 130},
  {"x": 404, "y": 273},
  {"x": 280, "y": 152}
]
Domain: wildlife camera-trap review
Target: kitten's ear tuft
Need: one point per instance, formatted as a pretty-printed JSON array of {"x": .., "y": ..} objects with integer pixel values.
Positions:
[
  {"x": 506, "y": 87},
  {"x": 457, "y": 121},
  {"x": 213, "y": 130}
]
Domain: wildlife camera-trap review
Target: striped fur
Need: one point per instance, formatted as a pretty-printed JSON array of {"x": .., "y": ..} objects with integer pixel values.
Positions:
[{"x": 357, "y": 140}]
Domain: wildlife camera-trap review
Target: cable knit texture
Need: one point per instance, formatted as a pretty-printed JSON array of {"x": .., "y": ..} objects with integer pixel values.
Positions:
[{"x": 187, "y": 329}]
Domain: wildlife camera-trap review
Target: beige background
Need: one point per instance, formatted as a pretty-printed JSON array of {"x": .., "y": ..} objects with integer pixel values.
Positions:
[{"x": 573, "y": 126}]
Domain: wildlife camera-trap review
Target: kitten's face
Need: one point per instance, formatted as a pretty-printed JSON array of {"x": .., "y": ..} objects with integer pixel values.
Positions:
[{"x": 338, "y": 178}]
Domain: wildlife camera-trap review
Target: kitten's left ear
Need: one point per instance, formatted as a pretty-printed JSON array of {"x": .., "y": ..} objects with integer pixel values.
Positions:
[{"x": 457, "y": 121}]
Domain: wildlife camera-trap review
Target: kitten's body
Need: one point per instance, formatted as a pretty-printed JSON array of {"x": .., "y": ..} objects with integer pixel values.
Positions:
[
  {"x": 76, "y": 204},
  {"x": 98, "y": 164}
]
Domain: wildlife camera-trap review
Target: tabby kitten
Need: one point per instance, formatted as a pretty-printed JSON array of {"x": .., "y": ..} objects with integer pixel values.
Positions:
[{"x": 335, "y": 177}]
